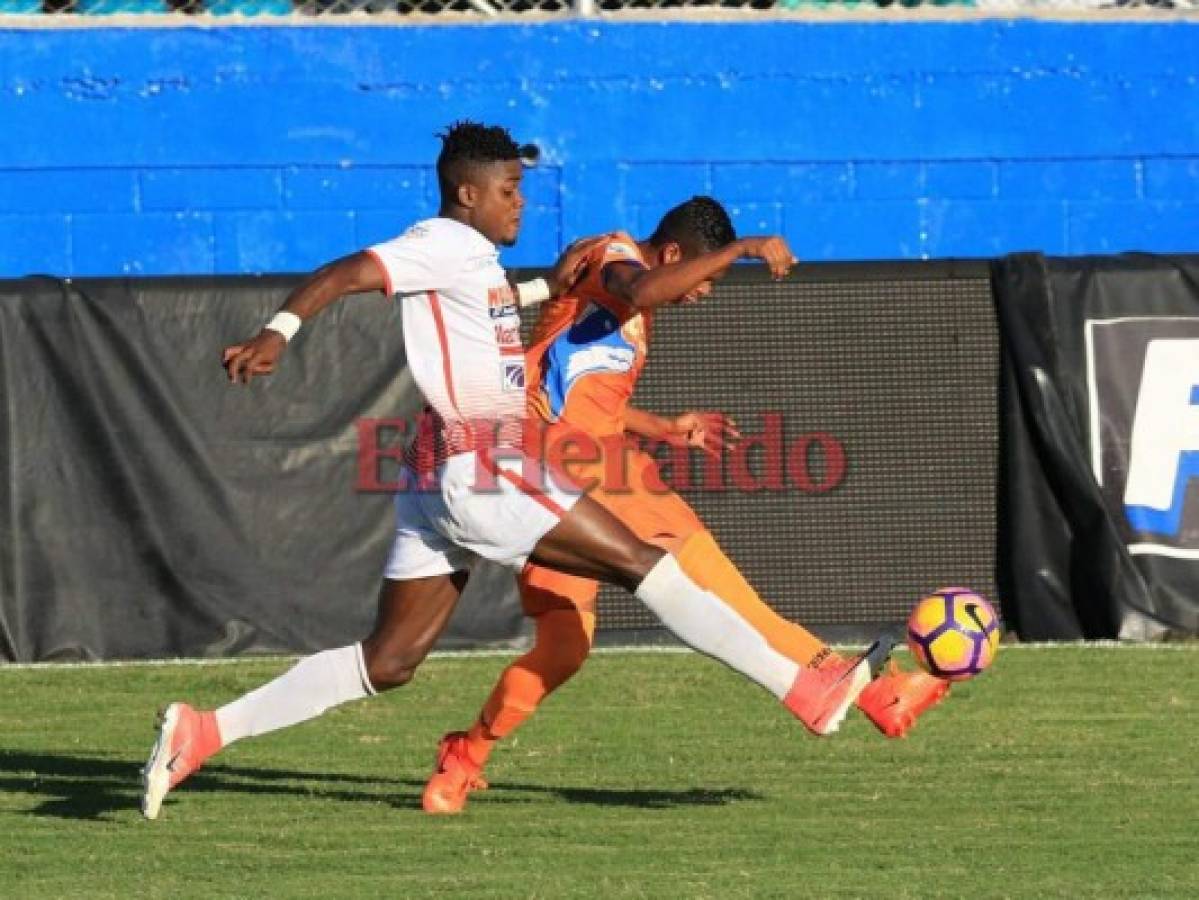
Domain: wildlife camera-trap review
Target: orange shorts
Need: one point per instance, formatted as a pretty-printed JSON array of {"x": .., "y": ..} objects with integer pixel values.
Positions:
[{"x": 660, "y": 517}]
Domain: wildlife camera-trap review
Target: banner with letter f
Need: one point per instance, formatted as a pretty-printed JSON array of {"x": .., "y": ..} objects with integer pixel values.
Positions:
[
  {"x": 1143, "y": 375},
  {"x": 1099, "y": 530}
]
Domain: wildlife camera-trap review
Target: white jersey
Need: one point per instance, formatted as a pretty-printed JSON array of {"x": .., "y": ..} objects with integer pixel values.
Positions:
[{"x": 461, "y": 337}]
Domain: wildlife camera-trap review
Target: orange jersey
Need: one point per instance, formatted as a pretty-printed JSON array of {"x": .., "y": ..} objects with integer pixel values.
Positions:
[{"x": 589, "y": 348}]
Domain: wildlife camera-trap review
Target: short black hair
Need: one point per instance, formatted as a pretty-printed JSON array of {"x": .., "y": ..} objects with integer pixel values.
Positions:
[
  {"x": 701, "y": 224},
  {"x": 465, "y": 144}
]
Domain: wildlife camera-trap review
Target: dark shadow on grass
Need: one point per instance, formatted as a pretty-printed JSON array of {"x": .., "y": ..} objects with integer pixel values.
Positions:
[
  {"x": 640, "y": 798},
  {"x": 92, "y": 788}
]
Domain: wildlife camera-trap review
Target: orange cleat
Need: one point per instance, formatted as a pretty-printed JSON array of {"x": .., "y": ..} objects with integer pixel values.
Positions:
[
  {"x": 895, "y": 700},
  {"x": 454, "y": 777},
  {"x": 185, "y": 739},
  {"x": 821, "y": 697}
]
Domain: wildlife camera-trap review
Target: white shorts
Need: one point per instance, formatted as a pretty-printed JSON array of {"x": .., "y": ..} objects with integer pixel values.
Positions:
[{"x": 473, "y": 510}]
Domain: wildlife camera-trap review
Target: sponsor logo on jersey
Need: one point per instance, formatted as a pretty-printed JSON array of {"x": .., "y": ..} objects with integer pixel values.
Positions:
[
  {"x": 501, "y": 302},
  {"x": 507, "y": 336},
  {"x": 513, "y": 375}
]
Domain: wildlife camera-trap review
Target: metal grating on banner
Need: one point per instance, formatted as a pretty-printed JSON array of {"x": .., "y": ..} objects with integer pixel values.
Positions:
[{"x": 898, "y": 364}]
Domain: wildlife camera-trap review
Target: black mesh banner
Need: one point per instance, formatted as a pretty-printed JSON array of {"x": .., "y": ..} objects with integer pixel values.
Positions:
[
  {"x": 148, "y": 508},
  {"x": 894, "y": 368},
  {"x": 1099, "y": 525}
]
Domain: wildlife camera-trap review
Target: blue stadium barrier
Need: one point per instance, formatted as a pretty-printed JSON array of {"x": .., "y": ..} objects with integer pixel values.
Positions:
[{"x": 184, "y": 150}]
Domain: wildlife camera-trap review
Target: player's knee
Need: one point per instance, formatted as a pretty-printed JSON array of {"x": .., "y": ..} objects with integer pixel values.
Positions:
[
  {"x": 386, "y": 676},
  {"x": 563, "y": 644},
  {"x": 634, "y": 563},
  {"x": 387, "y": 671}
]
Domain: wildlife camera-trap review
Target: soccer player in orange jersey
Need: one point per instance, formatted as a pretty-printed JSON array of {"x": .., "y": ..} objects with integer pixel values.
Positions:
[{"x": 587, "y": 351}]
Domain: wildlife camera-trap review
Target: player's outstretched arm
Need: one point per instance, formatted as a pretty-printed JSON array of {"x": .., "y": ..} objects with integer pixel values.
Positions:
[
  {"x": 567, "y": 272},
  {"x": 258, "y": 356},
  {"x": 647, "y": 288}
]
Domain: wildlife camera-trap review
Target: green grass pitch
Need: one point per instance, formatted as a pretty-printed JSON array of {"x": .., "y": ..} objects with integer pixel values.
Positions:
[{"x": 1062, "y": 772}]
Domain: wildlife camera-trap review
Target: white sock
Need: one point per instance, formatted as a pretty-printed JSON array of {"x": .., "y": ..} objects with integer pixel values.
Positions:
[
  {"x": 314, "y": 684},
  {"x": 711, "y": 626}
]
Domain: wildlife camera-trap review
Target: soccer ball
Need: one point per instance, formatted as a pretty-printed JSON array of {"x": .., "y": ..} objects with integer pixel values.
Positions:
[{"x": 953, "y": 633}]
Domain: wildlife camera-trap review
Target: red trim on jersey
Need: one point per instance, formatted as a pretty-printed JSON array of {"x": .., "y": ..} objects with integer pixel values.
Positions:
[
  {"x": 383, "y": 268},
  {"x": 443, "y": 341},
  {"x": 451, "y": 438}
]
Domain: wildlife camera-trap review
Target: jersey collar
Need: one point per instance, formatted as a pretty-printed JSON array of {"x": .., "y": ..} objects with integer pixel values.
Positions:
[{"x": 475, "y": 241}]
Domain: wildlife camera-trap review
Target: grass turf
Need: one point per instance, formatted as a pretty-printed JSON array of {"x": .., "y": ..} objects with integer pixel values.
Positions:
[{"x": 1064, "y": 772}]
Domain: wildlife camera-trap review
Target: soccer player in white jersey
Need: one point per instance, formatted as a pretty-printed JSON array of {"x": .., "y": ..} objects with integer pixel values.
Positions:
[{"x": 481, "y": 496}]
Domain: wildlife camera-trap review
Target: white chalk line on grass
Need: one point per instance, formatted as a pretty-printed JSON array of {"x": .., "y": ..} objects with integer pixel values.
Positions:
[{"x": 507, "y": 652}]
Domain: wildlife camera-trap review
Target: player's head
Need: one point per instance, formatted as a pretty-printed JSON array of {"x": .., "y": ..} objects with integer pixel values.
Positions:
[
  {"x": 692, "y": 229},
  {"x": 478, "y": 172}
]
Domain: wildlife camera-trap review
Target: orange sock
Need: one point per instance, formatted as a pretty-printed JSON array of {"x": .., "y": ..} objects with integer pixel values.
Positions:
[
  {"x": 562, "y": 643},
  {"x": 703, "y": 560}
]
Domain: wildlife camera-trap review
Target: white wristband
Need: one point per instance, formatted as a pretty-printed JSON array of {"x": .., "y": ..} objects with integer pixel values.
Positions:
[
  {"x": 530, "y": 293},
  {"x": 287, "y": 324}
]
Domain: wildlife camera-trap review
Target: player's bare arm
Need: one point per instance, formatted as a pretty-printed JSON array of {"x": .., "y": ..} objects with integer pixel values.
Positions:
[
  {"x": 711, "y": 432},
  {"x": 691, "y": 278},
  {"x": 568, "y": 271},
  {"x": 358, "y": 273}
]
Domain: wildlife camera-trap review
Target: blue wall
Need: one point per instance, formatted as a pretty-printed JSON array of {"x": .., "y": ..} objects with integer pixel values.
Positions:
[{"x": 255, "y": 149}]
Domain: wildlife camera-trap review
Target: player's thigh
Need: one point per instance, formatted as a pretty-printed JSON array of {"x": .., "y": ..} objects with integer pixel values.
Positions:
[
  {"x": 418, "y": 550},
  {"x": 511, "y": 511},
  {"x": 498, "y": 509},
  {"x": 662, "y": 518},
  {"x": 640, "y": 501},
  {"x": 590, "y": 541}
]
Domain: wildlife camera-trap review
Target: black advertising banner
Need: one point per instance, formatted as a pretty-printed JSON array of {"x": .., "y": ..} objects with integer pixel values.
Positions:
[
  {"x": 150, "y": 508},
  {"x": 1099, "y": 486},
  {"x": 894, "y": 366}
]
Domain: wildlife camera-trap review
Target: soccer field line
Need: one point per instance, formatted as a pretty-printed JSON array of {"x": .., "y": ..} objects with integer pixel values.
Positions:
[{"x": 507, "y": 652}]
